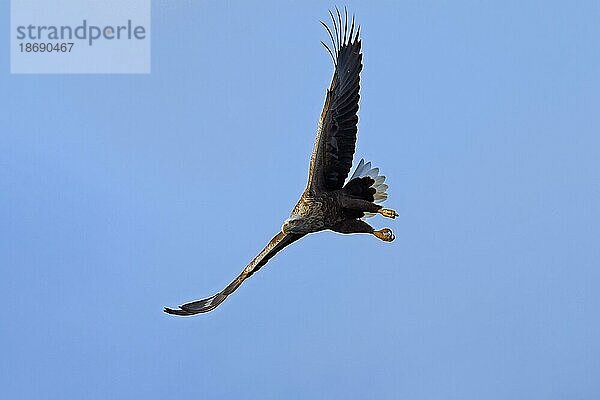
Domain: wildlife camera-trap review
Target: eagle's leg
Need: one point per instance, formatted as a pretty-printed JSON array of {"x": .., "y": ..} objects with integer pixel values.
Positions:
[
  {"x": 352, "y": 203},
  {"x": 360, "y": 226},
  {"x": 353, "y": 226}
]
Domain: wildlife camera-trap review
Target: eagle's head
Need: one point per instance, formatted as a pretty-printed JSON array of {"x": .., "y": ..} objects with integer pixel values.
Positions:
[{"x": 295, "y": 224}]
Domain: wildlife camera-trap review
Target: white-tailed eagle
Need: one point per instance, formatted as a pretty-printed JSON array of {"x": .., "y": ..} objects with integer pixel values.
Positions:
[{"x": 330, "y": 201}]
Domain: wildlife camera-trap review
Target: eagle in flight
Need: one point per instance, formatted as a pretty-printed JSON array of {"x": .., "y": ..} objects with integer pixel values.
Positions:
[{"x": 329, "y": 200}]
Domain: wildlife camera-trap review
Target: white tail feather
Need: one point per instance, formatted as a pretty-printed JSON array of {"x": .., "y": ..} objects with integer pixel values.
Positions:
[{"x": 364, "y": 169}]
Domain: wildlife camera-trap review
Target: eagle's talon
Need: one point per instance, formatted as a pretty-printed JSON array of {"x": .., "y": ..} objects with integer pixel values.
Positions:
[
  {"x": 388, "y": 213},
  {"x": 385, "y": 234}
]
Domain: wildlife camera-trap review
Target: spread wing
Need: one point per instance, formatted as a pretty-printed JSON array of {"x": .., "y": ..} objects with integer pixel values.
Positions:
[
  {"x": 331, "y": 159},
  {"x": 276, "y": 244}
]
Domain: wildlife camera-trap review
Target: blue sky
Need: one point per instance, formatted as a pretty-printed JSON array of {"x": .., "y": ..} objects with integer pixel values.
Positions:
[{"x": 125, "y": 193}]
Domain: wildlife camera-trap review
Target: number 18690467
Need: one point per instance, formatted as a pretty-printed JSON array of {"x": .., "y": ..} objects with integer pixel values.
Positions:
[{"x": 46, "y": 47}]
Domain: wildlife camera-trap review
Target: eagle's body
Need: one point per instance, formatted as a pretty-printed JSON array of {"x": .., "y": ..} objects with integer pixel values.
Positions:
[
  {"x": 317, "y": 211},
  {"x": 330, "y": 201}
]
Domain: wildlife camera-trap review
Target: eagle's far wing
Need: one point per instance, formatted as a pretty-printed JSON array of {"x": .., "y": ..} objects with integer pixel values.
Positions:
[
  {"x": 276, "y": 244},
  {"x": 331, "y": 159}
]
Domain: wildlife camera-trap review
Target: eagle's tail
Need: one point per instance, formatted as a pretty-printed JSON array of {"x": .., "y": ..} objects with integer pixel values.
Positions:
[{"x": 364, "y": 170}]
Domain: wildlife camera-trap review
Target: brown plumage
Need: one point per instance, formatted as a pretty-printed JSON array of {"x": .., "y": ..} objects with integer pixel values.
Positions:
[{"x": 326, "y": 203}]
